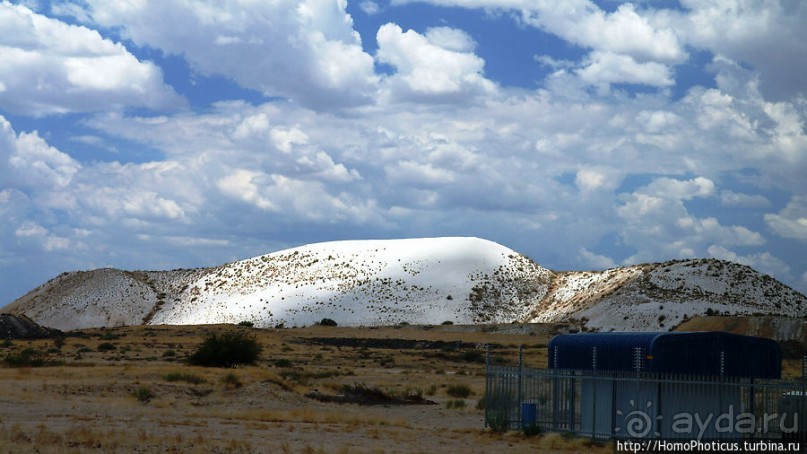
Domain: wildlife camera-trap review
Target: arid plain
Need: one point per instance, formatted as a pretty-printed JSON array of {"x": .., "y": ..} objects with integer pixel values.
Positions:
[{"x": 129, "y": 389}]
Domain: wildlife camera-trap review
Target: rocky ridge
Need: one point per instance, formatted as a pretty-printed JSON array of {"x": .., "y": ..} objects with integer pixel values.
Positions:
[{"x": 416, "y": 281}]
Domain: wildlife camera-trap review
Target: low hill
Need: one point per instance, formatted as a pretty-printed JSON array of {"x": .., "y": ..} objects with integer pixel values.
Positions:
[
  {"x": 659, "y": 296},
  {"x": 416, "y": 281}
]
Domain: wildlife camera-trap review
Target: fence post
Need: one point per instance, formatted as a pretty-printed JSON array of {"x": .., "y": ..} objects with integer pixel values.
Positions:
[
  {"x": 593, "y": 385},
  {"x": 488, "y": 379},
  {"x": 555, "y": 390},
  {"x": 751, "y": 404},
  {"x": 802, "y": 410},
  {"x": 520, "y": 380}
]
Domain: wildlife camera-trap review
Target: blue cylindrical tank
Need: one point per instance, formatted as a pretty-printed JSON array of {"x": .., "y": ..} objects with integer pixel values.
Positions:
[{"x": 691, "y": 353}]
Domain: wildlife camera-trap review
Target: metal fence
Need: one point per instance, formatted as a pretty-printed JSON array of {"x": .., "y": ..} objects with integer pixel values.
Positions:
[{"x": 636, "y": 405}]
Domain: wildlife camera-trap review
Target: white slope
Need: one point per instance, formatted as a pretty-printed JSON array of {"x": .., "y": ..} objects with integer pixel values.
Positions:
[
  {"x": 374, "y": 282},
  {"x": 102, "y": 297},
  {"x": 659, "y": 296},
  {"x": 417, "y": 281},
  {"x": 360, "y": 283}
]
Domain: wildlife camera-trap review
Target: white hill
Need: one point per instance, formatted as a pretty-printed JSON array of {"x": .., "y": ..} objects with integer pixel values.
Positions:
[
  {"x": 417, "y": 281},
  {"x": 660, "y": 296}
]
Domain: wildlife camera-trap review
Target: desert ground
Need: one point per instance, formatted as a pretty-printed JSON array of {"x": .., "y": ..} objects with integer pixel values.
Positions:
[{"x": 130, "y": 389}]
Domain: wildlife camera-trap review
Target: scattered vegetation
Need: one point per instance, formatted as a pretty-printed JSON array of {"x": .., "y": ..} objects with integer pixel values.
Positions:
[
  {"x": 184, "y": 377},
  {"x": 361, "y": 394},
  {"x": 179, "y": 400},
  {"x": 472, "y": 356},
  {"x": 306, "y": 378},
  {"x": 531, "y": 430},
  {"x": 106, "y": 347},
  {"x": 143, "y": 394},
  {"x": 793, "y": 349},
  {"x": 58, "y": 342},
  {"x": 29, "y": 357},
  {"x": 282, "y": 362},
  {"x": 228, "y": 349},
  {"x": 231, "y": 381},
  {"x": 459, "y": 391},
  {"x": 455, "y": 404},
  {"x": 498, "y": 422},
  {"x": 110, "y": 336}
]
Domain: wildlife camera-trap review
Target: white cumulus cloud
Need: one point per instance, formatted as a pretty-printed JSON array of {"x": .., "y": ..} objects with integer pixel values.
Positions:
[
  {"x": 303, "y": 50},
  {"x": 791, "y": 221},
  {"x": 50, "y": 67},
  {"x": 610, "y": 68},
  {"x": 767, "y": 35},
  {"x": 431, "y": 66}
]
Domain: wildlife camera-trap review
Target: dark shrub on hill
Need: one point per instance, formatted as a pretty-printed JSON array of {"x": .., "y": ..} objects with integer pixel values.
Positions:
[
  {"x": 793, "y": 349},
  {"x": 26, "y": 358},
  {"x": 327, "y": 322},
  {"x": 226, "y": 350}
]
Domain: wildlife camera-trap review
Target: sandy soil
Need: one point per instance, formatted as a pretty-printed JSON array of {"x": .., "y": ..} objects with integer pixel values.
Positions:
[{"x": 123, "y": 399}]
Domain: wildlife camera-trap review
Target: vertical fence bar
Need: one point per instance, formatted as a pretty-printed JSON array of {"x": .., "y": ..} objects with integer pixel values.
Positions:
[
  {"x": 519, "y": 395},
  {"x": 802, "y": 395},
  {"x": 594, "y": 385},
  {"x": 555, "y": 389},
  {"x": 488, "y": 379},
  {"x": 751, "y": 398}
]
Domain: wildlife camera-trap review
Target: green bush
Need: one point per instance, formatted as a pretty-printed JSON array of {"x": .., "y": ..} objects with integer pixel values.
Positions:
[
  {"x": 106, "y": 346},
  {"x": 455, "y": 403},
  {"x": 459, "y": 391},
  {"x": 498, "y": 422},
  {"x": 531, "y": 430},
  {"x": 26, "y": 358},
  {"x": 481, "y": 403},
  {"x": 327, "y": 322},
  {"x": 231, "y": 381},
  {"x": 226, "y": 350},
  {"x": 471, "y": 356},
  {"x": 282, "y": 362},
  {"x": 110, "y": 336},
  {"x": 246, "y": 323},
  {"x": 143, "y": 394}
]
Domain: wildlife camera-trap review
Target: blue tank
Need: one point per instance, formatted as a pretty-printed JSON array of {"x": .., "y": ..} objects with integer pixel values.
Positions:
[{"x": 689, "y": 353}]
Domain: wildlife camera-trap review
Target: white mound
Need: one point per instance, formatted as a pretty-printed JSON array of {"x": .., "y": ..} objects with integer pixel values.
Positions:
[{"x": 417, "y": 281}]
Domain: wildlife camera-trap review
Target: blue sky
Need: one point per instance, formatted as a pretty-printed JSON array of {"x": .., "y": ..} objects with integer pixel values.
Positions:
[{"x": 587, "y": 135}]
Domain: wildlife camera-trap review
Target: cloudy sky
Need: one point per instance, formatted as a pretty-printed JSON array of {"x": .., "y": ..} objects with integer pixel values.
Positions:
[{"x": 586, "y": 134}]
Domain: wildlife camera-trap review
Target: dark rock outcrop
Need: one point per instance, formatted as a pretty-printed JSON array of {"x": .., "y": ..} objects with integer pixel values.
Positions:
[{"x": 21, "y": 327}]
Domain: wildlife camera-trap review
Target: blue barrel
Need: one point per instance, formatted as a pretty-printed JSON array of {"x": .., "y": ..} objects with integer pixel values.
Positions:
[{"x": 528, "y": 414}]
